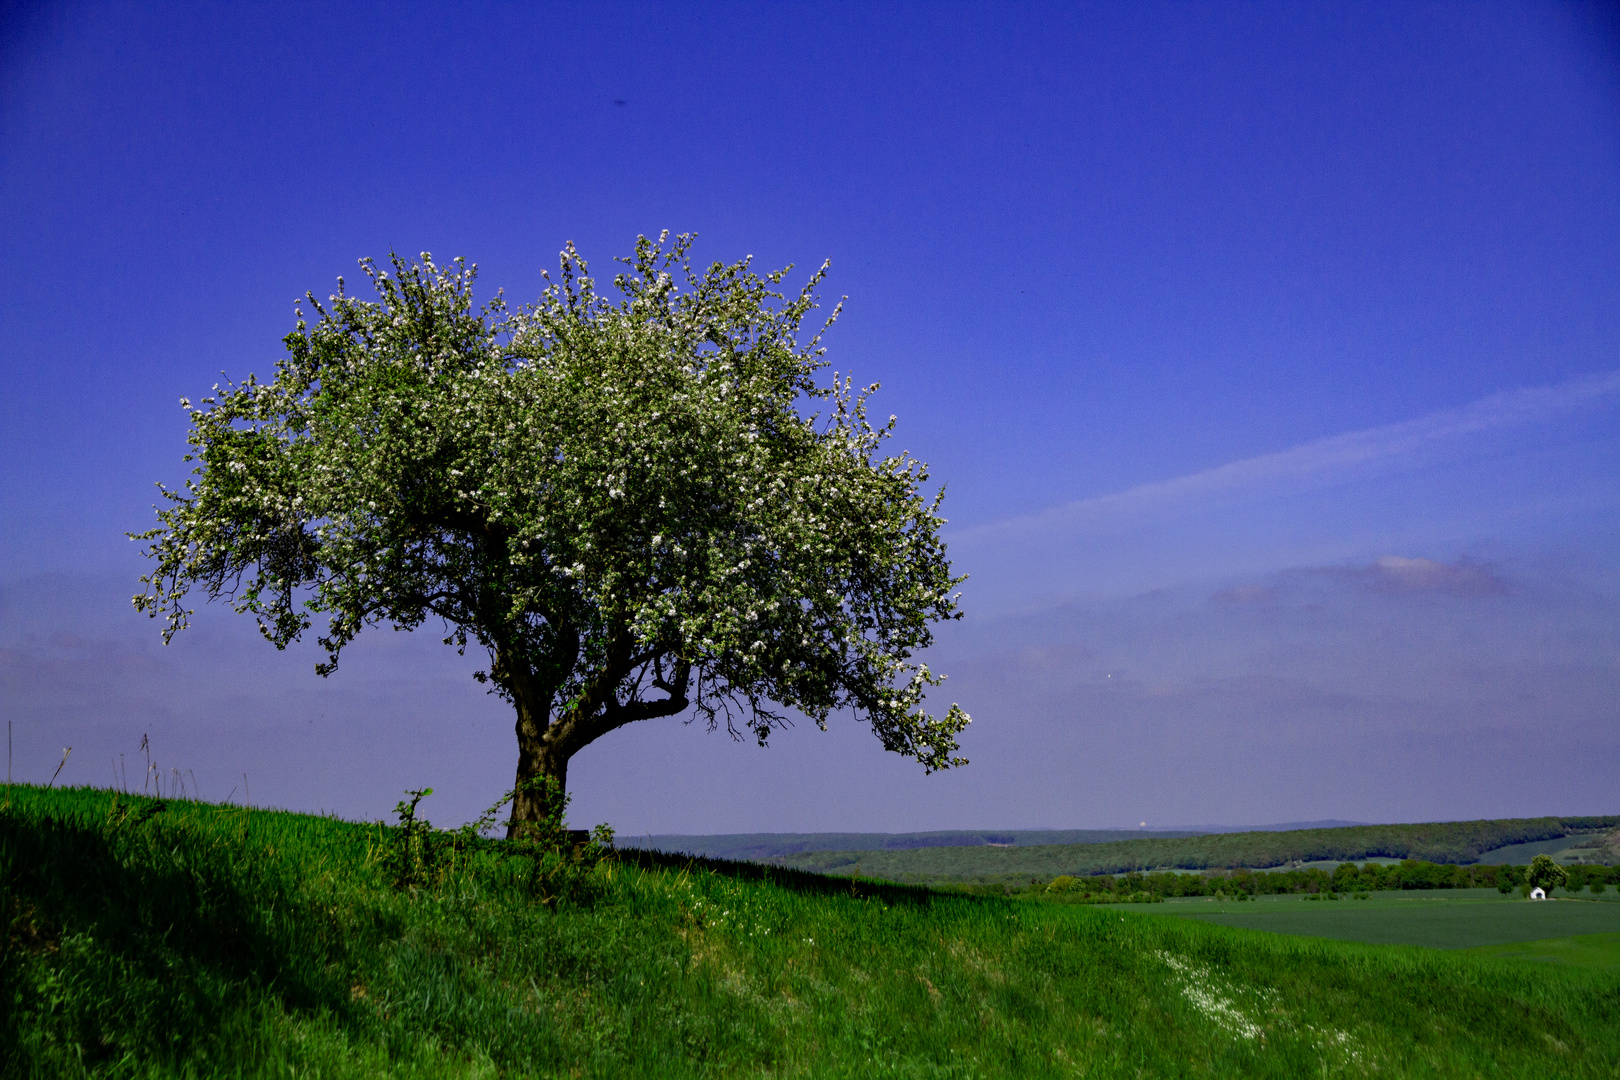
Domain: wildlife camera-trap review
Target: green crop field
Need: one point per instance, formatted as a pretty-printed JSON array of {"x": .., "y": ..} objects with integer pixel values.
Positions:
[
  {"x": 1453, "y": 919},
  {"x": 203, "y": 941},
  {"x": 1585, "y": 950},
  {"x": 1560, "y": 848}
]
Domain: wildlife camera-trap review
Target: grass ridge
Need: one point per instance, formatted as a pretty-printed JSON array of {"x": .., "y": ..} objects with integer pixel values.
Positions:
[{"x": 200, "y": 940}]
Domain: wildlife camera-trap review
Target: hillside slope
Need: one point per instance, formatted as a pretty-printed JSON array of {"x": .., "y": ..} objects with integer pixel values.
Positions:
[{"x": 210, "y": 941}]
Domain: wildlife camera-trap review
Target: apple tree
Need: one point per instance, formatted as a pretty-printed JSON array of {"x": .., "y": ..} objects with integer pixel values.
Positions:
[{"x": 637, "y": 505}]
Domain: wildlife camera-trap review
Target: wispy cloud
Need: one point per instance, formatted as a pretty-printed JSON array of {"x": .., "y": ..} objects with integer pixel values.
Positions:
[
  {"x": 1324, "y": 461},
  {"x": 1397, "y": 575},
  {"x": 1245, "y": 594}
]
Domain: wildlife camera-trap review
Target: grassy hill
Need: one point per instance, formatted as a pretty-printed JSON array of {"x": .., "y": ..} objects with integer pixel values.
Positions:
[
  {"x": 1440, "y": 842},
  {"x": 197, "y": 940}
]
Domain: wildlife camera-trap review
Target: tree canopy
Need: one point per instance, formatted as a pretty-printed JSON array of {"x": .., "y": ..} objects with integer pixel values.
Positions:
[
  {"x": 1546, "y": 874},
  {"x": 636, "y": 505}
]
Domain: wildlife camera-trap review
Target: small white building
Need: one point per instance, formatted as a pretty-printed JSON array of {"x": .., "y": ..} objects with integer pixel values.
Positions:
[{"x": 1537, "y": 893}]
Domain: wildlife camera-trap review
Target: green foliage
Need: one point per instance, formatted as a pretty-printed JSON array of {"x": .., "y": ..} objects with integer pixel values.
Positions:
[
  {"x": 1436, "y": 842},
  {"x": 134, "y": 814},
  {"x": 1545, "y": 874},
  {"x": 544, "y": 859},
  {"x": 209, "y": 941},
  {"x": 1346, "y": 877},
  {"x": 620, "y": 500},
  {"x": 411, "y": 856}
]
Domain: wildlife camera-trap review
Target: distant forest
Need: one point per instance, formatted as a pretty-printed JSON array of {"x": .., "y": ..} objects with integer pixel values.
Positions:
[
  {"x": 771, "y": 847},
  {"x": 1012, "y": 857}
]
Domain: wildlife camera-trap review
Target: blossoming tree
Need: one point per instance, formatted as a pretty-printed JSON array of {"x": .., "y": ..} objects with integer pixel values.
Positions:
[
  {"x": 1545, "y": 874},
  {"x": 637, "y": 506}
]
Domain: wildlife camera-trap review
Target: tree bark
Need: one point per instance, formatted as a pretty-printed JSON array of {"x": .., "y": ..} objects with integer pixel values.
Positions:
[
  {"x": 536, "y": 758},
  {"x": 546, "y": 743},
  {"x": 538, "y": 755}
]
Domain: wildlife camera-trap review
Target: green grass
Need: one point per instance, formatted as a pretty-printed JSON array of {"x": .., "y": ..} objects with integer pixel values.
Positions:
[
  {"x": 1450, "y": 919},
  {"x": 1585, "y": 950},
  {"x": 210, "y": 941}
]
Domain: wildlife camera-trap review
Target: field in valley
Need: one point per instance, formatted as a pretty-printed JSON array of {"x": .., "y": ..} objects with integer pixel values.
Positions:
[
  {"x": 1584, "y": 950},
  {"x": 1447, "y": 919}
]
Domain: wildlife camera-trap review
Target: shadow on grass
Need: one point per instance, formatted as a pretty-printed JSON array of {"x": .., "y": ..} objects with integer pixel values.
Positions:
[
  {"x": 131, "y": 939},
  {"x": 802, "y": 881}
]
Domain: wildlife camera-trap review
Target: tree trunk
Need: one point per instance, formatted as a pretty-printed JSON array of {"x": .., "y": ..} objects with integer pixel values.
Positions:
[
  {"x": 545, "y": 743},
  {"x": 538, "y": 756}
]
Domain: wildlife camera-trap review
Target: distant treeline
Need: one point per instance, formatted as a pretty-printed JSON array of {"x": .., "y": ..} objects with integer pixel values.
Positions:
[
  {"x": 1453, "y": 842},
  {"x": 760, "y": 847},
  {"x": 1347, "y": 878},
  {"x": 765, "y": 847}
]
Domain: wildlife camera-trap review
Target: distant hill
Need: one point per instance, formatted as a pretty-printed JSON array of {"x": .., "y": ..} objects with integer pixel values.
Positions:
[
  {"x": 766, "y": 846},
  {"x": 1287, "y": 826},
  {"x": 1017, "y": 856},
  {"x": 773, "y": 846}
]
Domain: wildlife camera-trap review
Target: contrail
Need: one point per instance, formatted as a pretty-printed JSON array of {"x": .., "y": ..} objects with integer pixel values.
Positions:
[{"x": 1320, "y": 461}]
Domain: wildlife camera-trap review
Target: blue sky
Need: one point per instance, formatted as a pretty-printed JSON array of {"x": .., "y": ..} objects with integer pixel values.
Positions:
[{"x": 1268, "y": 354}]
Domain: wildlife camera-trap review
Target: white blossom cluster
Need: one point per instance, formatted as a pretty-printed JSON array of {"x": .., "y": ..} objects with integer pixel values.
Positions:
[
  {"x": 628, "y": 502},
  {"x": 1256, "y": 1013}
]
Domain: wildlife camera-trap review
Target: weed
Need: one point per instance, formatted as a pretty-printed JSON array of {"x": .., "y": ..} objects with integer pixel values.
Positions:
[{"x": 545, "y": 860}]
